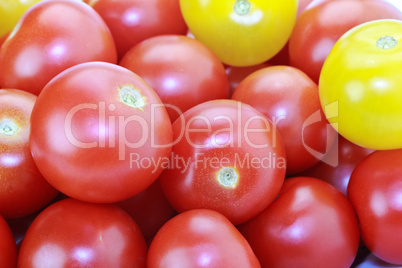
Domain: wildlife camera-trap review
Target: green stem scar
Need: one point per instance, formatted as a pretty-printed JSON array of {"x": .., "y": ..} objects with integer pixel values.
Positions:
[
  {"x": 386, "y": 42},
  {"x": 132, "y": 97},
  {"x": 242, "y": 7},
  {"x": 8, "y": 127},
  {"x": 228, "y": 177}
]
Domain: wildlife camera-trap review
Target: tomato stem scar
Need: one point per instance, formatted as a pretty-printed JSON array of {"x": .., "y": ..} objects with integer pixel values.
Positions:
[
  {"x": 8, "y": 127},
  {"x": 242, "y": 7},
  {"x": 131, "y": 97},
  {"x": 228, "y": 177},
  {"x": 386, "y": 42}
]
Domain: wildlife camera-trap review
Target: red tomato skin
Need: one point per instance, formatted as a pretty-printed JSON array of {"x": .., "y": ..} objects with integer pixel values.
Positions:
[
  {"x": 8, "y": 249},
  {"x": 310, "y": 224},
  {"x": 200, "y": 238},
  {"x": 319, "y": 27},
  {"x": 182, "y": 71},
  {"x": 150, "y": 209},
  {"x": 238, "y": 74},
  {"x": 23, "y": 190},
  {"x": 72, "y": 233},
  {"x": 132, "y": 21},
  {"x": 49, "y": 38},
  {"x": 375, "y": 189},
  {"x": 89, "y": 145},
  {"x": 347, "y": 155},
  {"x": 197, "y": 185},
  {"x": 288, "y": 97}
]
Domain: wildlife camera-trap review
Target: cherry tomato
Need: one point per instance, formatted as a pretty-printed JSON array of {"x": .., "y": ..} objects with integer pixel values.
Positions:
[
  {"x": 241, "y": 32},
  {"x": 182, "y": 71},
  {"x": 8, "y": 249},
  {"x": 11, "y": 11},
  {"x": 338, "y": 164},
  {"x": 227, "y": 157},
  {"x": 150, "y": 209},
  {"x": 200, "y": 238},
  {"x": 52, "y": 36},
  {"x": 319, "y": 27},
  {"x": 72, "y": 233},
  {"x": 310, "y": 224},
  {"x": 23, "y": 190},
  {"x": 360, "y": 85},
  {"x": 290, "y": 99},
  {"x": 375, "y": 190},
  {"x": 238, "y": 74},
  {"x": 132, "y": 21},
  {"x": 100, "y": 133}
]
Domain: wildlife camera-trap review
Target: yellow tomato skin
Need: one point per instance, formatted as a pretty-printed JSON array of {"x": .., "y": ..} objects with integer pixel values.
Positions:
[
  {"x": 11, "y": 11},
  {"x": 241, "y": 32},
  {"x": 360, "y": 85}
]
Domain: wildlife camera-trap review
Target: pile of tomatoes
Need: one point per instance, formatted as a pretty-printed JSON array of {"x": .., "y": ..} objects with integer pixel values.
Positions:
[{"x": 200, "y": 133}]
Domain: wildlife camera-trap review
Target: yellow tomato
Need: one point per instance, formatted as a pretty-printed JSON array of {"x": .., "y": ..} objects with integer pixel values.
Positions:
[
  {"x": 11, "y": 11},
  {"x": 361, "y": 85},
  {"x": 241, "y": 32}
]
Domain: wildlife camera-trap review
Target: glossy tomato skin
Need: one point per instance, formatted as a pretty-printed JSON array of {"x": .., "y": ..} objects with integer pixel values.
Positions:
[
  {"x": 338, "y": 164},
  {"x": 227, "y": 157},
  {"x": 241, "y": 32},
  {"x": 200, "y": 238},
  {"x": 310, "y": 224},
  {"x": 375, "y": 189},
  {"x": 182, "y": 71},
  {"x": 290, "y": 99},
  {"x": 11, "y": 11},
  {"x": 72, "y": 233},
  {"x": 319, "y": 27},
  {"x": 49, "y": 38},
  {"x": 150, "y": 209},
  {"x": 132, "y": 21},
  {"x": 8, "y": 249},
  {"x": 23, "y": 190},
  {"x": 93, "y": 126},
  {"x": 360, "y": 85}
]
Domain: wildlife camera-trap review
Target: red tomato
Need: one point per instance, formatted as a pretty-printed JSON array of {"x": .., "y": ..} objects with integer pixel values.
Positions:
[
  {"x": 228, "y": 157},
  {"x": 238, "y": 74},
  {"x": 150, "y": 209},
  {"x": 338, "y": 164},
  {"x": 8, "y": 250},
  {"x": 290, "y": 99},
  {"x": 182, "y": 70},
  {"x": 50, "y": 37},
  {"x": 375, "y": 190},
  {"x": 319, "y": 27},
  {"x": 72, "y": 233},
  {"x": 132, "y": 21},
  {"x": 200, "y": 238},
  {"x": 310, "y": 224},
  {"x": 23, "y": 190},
  {"x": 100, "y": 133}
]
